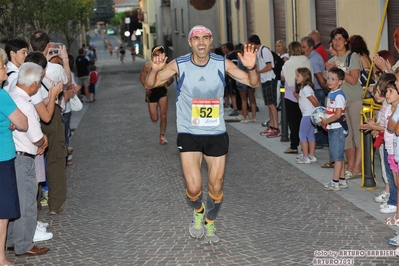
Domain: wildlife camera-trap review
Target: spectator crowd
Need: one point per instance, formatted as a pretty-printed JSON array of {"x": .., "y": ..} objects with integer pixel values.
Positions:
[
  {"x": 38, "y": 94},
  {"x": 336, "y": 80}
]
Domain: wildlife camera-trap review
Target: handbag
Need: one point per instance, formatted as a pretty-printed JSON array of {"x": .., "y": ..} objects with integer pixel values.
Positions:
[
  {"x": 364, "y": 74},
  {"x": 76, "y": 104}
]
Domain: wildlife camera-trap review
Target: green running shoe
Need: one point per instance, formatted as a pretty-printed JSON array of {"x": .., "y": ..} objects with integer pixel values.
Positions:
[
  {"x": 210, "y": 234},
  {"x": 197, "y": 224}
]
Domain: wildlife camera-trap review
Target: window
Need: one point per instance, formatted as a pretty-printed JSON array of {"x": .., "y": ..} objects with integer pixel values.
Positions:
[
  {"x": 229, "y": 31},
  {"x": 182, "y": 21},
  {"x": 326, "y": 20},
  {"x": 279, "y": 21},
  {"x": 175, "y": 11}
]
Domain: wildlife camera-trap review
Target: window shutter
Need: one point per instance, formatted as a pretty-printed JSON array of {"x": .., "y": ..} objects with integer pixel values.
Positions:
[
  {"x": 326, "y": 20},
  {"x": 279, "y": 21}
]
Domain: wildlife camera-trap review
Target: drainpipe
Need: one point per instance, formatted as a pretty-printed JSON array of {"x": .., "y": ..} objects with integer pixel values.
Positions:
[{"x": 294, "y": 26}]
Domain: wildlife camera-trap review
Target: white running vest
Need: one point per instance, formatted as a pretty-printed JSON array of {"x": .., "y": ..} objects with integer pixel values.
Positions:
[{"x": 200, "y": 90}]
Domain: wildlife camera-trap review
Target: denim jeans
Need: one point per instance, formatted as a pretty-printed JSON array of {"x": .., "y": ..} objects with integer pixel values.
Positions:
[
  {"x": 392, "y": 188},
  {"x": 320, "y": 96},
  {"x": 67, "y": 123},
  {"x": 336, "y": 139}
]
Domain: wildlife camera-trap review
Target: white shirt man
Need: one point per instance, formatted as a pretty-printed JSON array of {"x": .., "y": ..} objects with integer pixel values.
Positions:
[{"x": 21, "y": 232}]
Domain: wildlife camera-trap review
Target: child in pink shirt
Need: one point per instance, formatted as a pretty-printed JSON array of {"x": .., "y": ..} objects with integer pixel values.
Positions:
[{"x": 93, "y": 82}]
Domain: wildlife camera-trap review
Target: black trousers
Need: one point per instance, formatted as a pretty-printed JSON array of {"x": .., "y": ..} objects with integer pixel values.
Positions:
[{"x": 294, "y": 116}]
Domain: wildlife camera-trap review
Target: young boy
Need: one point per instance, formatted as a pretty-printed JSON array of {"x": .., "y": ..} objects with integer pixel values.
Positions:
[
  {"x": 337, "y": 127},
  {"x": 93, "y": 82},
  {"x": 17, "y": 50}
]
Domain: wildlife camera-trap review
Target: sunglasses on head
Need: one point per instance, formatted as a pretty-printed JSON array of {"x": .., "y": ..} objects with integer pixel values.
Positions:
[{"x": 158, "y": 48}]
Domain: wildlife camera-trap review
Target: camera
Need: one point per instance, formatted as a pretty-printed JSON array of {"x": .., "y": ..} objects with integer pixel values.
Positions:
[{"x": 55, "y": 51}]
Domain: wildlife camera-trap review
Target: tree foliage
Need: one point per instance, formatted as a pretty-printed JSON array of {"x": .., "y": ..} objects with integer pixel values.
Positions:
[
  {"x": 104, "y": 11},
  {"x": 117, "y": 19},
  {"x": 22, "y": 17}
]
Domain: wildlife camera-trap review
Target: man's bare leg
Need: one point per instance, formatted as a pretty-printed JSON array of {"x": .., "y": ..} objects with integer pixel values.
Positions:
[{"x": 191, "y": 165}]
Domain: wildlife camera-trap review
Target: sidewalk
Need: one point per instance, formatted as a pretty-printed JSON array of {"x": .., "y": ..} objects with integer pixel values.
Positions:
[{"x": 361, "y": 197}]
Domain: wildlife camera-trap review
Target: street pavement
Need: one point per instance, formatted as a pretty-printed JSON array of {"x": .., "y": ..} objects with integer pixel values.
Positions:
[{"x": 126, "y": 201}]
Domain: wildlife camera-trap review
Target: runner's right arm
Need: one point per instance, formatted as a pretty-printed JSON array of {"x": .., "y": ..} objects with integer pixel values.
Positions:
[
  {"x": 156, "y": 76},
  {"x": 143, "y": 74}
]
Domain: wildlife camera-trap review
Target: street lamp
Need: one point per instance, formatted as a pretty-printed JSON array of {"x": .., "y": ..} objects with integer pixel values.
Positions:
[{"x": 127, "y": 23}]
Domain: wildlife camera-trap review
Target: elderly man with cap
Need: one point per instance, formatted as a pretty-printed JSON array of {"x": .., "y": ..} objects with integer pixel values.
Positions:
[{"x": 200, "y": 124}]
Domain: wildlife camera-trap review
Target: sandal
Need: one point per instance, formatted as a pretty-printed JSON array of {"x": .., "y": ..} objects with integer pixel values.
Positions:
[
  {"x": 392, "y": 220},
  {"x": 328, "y": 165},
  {"x": 349, "y": 175}
]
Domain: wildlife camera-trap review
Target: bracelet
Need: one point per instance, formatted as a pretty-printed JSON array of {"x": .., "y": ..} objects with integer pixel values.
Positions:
[
  {"x": 252, "y": 68},
  {"x": 64, "y": 58}
]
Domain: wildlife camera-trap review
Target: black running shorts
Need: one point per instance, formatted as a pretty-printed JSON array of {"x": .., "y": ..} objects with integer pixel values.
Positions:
[
  {"x": 156, "y": 94},
  {"x": 215, "y": 146}
]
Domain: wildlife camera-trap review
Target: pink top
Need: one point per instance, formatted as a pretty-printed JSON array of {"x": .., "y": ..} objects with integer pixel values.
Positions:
[
  {"x": 381, "y": 114},
  {"x": 388, "y": 137}
]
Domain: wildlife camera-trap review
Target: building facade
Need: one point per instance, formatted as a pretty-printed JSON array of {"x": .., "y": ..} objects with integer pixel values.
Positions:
[{"x": 289, "y": 20}]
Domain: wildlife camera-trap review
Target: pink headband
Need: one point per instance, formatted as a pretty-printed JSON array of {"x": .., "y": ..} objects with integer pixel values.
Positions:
[{"x": 199, "y": 29}]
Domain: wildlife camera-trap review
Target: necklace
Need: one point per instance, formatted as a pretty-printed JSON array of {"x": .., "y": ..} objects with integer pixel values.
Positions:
[{"x": 195, "y": 62}]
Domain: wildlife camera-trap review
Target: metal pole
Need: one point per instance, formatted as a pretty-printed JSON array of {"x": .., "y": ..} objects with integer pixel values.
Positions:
[
  {"x": 284, "y": 122},
  {"x": 294, "y": 22},
  {"x": 367, "y": 160}
]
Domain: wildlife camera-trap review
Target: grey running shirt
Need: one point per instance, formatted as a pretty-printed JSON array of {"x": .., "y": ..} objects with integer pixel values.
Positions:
[{"x": 200, "y": 90}]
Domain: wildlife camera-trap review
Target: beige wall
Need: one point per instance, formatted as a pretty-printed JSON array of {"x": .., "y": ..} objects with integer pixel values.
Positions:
[
  {"x": 360, "y": 17},
  {"x": 222, "y": 24},
  {"x": 350, "y": 15},
  {"x": 239, "y": 25},
  {"x": 263, "y": 19},
  {"x": 304, "y": 26},
  {"x": 150, "y": 8}
]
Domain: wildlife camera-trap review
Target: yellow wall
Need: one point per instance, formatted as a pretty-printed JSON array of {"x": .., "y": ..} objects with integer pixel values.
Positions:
[
  {"x": 263, "y": 20},
  {"x": 361, "y": 17},
  {"x": 303, "y": 19},
  {"x": 239, "y": 27},
  {"x": 366, "y": 22}
]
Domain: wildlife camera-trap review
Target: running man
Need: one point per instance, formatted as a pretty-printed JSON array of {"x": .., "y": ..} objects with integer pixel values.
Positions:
[
  {"x": 122, "y": 52},
  {"x": 200, "y": 124},
  {"x": 133, "y": 52},
  {"x": 157, "y": 97}
]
